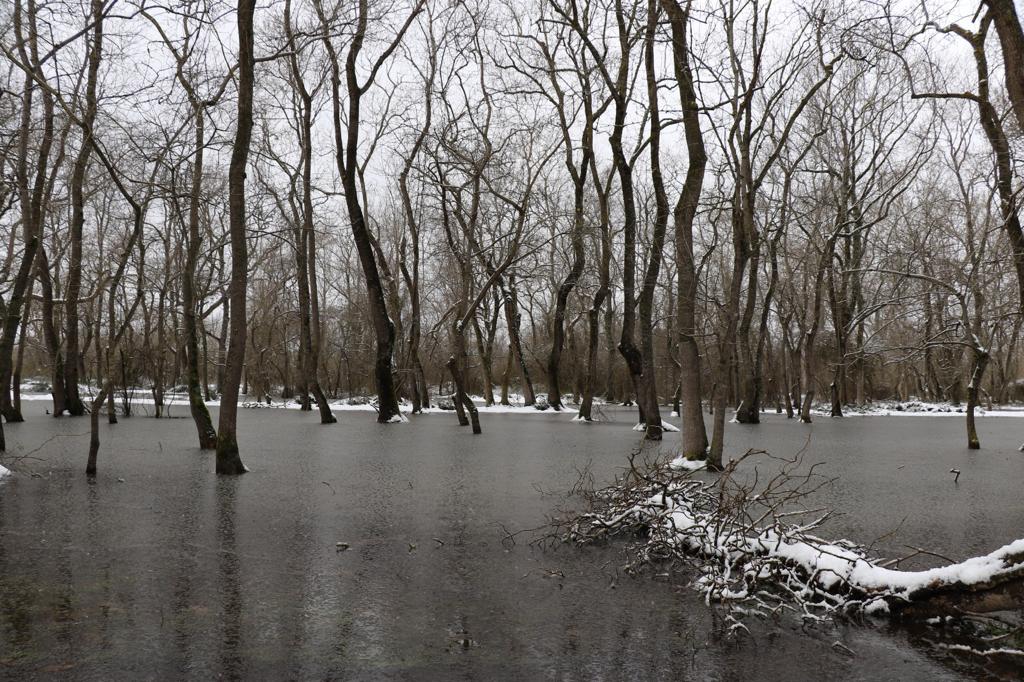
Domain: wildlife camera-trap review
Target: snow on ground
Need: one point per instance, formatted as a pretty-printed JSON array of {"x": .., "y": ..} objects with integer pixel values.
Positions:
[
  {"x": 504, "y": 409},
  {"x": 4, "y": 472},
  {"x": 918, "y": 408},
  {"x": 665, "y": 426},
  {"x": 882, "y": 408},
  {"x": 355, "y": 404},
  {"x": 683, "y": 464}
]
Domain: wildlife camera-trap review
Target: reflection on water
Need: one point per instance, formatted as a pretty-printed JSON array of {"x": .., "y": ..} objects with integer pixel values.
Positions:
[
  {"x": 229, "y": 585},
  {"x": 173, "y": 573}
]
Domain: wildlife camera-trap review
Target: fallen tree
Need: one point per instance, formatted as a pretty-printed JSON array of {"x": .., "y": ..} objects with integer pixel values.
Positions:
[{"x": 751, "y": 542}]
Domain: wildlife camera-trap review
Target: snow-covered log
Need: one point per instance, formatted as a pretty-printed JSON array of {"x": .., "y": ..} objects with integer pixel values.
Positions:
[{"x": 752, "y": 545}]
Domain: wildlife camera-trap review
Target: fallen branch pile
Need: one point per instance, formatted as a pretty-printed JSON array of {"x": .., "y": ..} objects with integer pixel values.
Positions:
[{"x": 753, "y": 546}]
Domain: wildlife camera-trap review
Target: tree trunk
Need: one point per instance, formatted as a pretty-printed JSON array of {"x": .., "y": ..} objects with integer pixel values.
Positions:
[
  {"x": 980, "y": 362},
  {"x": 1011, "y": 39},
  {"x": 74, "y": 404},
  {"x": 575, "y": 270},
  {"x": 694, "y": 435},
  {"x": 648, "y": 387},
  {"x": 19, "y": 361},
  {"x": 748, "y": 411},
  {"x": 32, "y": 200},
  {"x": 457, "y": 367},
  {"x": 486, "y": 371},
  {"x": 506, "y": 377},
  {"x": 347, "y": 161},
  {"x": 305, "y": 254},
  {"x": 228, "y": 460},
  {"x": 610, "y": 348},
  {"x": 50, "y": 336},
  {"x": 94, "y": 428},
  {"x": 512, "y": 321},
  {"x": 200, "y": 414},
  {"x": 990, "y": 123},
  {"x": 807, "y": 380},
  {"x": 787, "y": 369}
]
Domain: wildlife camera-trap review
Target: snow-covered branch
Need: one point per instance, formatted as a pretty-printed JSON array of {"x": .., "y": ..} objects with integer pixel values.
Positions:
[{"x": 753, "y": 546}]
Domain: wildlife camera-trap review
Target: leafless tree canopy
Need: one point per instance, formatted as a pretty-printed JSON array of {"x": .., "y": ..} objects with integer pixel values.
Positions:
[{"x": 725, "y": 206}]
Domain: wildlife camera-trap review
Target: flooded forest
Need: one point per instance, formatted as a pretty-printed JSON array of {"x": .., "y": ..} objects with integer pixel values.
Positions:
[{"x": 511, "y": 339}]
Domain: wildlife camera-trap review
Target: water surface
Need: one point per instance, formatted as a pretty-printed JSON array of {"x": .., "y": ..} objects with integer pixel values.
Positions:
[{"x": 160, "y": 570}]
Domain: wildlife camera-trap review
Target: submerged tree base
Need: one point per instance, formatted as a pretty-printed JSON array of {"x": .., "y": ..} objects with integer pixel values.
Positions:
[{"x": 229, "y": 462}]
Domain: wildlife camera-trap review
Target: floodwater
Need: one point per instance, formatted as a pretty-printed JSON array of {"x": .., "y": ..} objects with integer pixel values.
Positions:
[{"x": 160, "y": 570}]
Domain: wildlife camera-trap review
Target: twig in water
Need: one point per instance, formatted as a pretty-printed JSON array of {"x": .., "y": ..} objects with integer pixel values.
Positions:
[{"x": 842, "y": 647}]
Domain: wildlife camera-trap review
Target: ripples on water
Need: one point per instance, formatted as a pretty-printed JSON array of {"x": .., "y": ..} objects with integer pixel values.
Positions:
[{"x": 173, "y": 573}]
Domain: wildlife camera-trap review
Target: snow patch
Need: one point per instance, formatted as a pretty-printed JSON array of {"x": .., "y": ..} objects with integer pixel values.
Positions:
[
  {"x": 684, "y": 464},
  {"x": 665, "y": 426},
  {"x": 398, "y": 419},
  {"x": 4, "y": 472},
  {"x": 917, "y": 408},
  {"x": 995, "y": 651}
]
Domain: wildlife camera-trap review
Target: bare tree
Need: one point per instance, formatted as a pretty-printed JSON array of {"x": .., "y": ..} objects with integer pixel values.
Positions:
[
  {"x": 228, "y": 460},
  {"x": 346, "y": 158},
  {"x": 694, "y": 436},
  {"x": 1011, "y": 39},
  {"x": 200, "y": 106}
]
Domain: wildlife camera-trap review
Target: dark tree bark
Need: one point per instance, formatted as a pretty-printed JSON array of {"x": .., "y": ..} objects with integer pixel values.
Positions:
[
  {"x": 304, "y": 253},
  {"x": 200, "y": 414},
  {"x": 747, "y": 238},
  {"x": 618, "y": 85},
  {"x": 115, "y": 331},
  {"x": 991, "y": 124},
  {"x": 995, "y": 134},
  {"x": 346, "y": 158},
  {"x": 31, "y": 198},
  {"x": 228, "y": 459},
  {"x": 51, "y": 338},
  {"x": 485, "y": 349},
  {"x": 411, "y": 275},
  {"x": 19, "y": 361},
  {"x": 807, "y": 365},
  {"x": 600, "y": 296},
  {"x": 979, "y": 361},
  {"x": 647, "y": 393},
  {"x": 513, "y": 320},
  {"x": 610, "y": 347},
  {"x": 627, "y": 337},
  {"x": 463, "y": 310},
  {"x": 1011, "y": 39},
  {"x": 196, "y": 386},
  {"x": 578, "y": 175},
  {"x": 694, "y": 435},
  {"x": 72, "y": 359}
]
